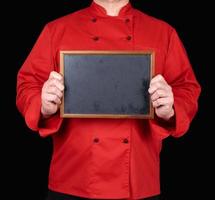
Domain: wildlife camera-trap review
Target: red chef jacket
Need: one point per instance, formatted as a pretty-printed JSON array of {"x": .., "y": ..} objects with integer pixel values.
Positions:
[{"x": 107, "y": 158}]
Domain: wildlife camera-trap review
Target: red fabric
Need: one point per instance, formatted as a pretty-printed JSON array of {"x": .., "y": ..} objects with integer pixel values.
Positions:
[{"x": 91, "y": 157}]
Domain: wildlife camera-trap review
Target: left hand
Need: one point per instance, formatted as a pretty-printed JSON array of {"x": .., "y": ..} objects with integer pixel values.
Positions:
[{"x": 162, "y": 97}]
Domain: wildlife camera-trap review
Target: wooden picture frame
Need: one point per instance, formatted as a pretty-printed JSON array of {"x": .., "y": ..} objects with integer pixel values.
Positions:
[{"x": 107, "y": 84}]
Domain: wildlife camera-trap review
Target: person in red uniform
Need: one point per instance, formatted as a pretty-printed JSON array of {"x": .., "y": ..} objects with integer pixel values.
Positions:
[{"x": 107, "y": 158}]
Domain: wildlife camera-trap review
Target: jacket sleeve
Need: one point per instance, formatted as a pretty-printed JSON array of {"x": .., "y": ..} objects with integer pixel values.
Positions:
[
  {"x": 30, "y": 79},
  {"x": 180, "y": 76}
]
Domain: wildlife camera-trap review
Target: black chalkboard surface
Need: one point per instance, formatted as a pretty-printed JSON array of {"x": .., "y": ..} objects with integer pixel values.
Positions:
[{"x": 106, "y": 84}]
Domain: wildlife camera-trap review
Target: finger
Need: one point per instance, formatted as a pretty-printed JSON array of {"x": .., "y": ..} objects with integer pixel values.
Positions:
[
  {"x": 164, "y": 111},
  {"x": 52, "y": 105},
  {"x": 55, "y": 83},
  {"x": 56, "y": 75},
  {"x": 159, "y": 94},
  {"x": 54, "y": 90},
  {"x": 157, "y": 86},
  {"x": 157, "y": 78},
  {"x": 162, "y": 102},
  {"x": 51, "y": 98}
]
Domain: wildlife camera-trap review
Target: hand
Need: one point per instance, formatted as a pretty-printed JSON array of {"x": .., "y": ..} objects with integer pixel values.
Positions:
[
  {"x": 162, "y": 97},
  {"x": 52, "y": 93}
]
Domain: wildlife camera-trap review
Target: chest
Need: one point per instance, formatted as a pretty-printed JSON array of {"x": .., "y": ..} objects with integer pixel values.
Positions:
[{"x": 125, "y": 33}]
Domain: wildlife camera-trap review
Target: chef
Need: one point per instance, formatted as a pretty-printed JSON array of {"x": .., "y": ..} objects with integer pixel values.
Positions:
[{"x": 107, "y": 158}]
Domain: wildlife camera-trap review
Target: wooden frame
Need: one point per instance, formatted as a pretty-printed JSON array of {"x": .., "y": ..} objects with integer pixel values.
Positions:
[{"x": 100, "y": 59}]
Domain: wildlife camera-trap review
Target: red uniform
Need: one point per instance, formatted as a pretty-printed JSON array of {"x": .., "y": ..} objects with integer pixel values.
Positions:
[{"x": 107, "y": 158}]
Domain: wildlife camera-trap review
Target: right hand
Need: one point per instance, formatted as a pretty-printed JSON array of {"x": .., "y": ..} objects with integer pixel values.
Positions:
[{"x": 52, "y": 93}]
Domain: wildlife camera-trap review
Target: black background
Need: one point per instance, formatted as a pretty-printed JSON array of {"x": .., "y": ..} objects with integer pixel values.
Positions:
[{"x": 186, "y": 163}]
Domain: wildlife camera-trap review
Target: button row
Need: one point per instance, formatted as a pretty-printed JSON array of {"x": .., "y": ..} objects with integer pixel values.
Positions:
[
  {"x": 96, "y": 38},
  {"x": 125, "y": 140},
  {"x": 94, "y": 20}
]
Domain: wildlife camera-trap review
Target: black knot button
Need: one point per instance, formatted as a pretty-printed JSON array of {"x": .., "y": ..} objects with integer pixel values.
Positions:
[
  {"x": 129, "y": 38},
  {"x": 96, "y": 140},
  {"x": 95, "y": 38},
  {"x": 125, "y": 141},
  {"x": 127, "y": 20},
  {"x": 94, "y": 20}
]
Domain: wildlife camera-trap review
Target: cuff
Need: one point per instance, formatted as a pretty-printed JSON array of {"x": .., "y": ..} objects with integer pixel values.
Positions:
[
  {"x": 182, "y": 120},
  {"x": 50, "y": 125},
  {"x": 176, "y": 126},
  {"x": 33, "y": 119},
  {"x": 32, "y": 114}
]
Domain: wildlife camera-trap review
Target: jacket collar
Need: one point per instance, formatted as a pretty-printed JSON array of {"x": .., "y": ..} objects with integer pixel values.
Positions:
[{"x": 100, "y": 11}]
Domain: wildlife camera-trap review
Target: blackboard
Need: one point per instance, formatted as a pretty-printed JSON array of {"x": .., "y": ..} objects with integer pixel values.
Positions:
[{"x": 106, "y": 84}]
